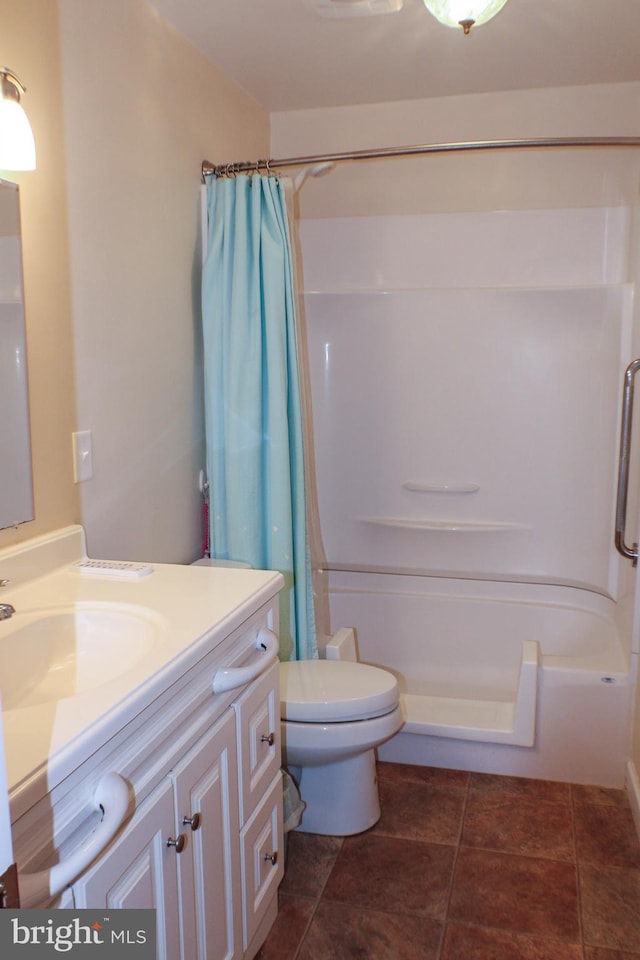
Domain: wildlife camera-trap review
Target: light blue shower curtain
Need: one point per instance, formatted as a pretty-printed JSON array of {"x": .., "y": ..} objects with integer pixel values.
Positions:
[{"x": 255, "y": 461}]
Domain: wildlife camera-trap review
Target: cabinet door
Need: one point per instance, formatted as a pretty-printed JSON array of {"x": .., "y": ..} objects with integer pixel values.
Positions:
[
  {"x": 258, "y": 723},
  {"x": 209, "y": 867},
  {"x": 139, "y": 870},
  {"x": 262, "y": 858}
]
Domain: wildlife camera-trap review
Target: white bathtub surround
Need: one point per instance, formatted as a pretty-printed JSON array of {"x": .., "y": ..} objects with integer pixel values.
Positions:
[
  {"x": 456, "y": 647},
  {"x": 466, "y": 374},
  {"x": 462, "y": 387}
]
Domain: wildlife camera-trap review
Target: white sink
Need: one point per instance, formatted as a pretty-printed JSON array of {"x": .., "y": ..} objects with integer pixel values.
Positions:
[{"x": 59, "y": 652}]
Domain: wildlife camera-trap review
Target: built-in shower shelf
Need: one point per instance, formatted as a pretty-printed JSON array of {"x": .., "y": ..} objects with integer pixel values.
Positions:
[
  {"x": 489, "y": 721},
  {"x": 457, "y": 486},
  {"x": 453, "y": 526}
]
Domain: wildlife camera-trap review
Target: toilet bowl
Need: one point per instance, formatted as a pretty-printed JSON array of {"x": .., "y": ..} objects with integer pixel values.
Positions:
[{"x": 334, "y": 713}]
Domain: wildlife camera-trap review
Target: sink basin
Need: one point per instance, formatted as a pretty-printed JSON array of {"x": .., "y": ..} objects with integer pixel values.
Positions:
[{"x": 55, "y": 653}]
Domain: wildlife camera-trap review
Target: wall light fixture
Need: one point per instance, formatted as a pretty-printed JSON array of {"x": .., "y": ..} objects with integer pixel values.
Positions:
[{"x": 17, "y": 147}]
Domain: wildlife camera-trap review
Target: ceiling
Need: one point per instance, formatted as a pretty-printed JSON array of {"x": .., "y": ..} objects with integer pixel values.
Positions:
[{"x": 288, "y": 57}]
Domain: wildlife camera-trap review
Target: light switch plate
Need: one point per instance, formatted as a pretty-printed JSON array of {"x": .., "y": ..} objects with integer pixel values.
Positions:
[{"x": 82, "y": 456}]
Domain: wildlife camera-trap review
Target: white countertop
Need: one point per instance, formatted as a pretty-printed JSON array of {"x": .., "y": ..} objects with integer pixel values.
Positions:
[{"x": 193, "y": 609}]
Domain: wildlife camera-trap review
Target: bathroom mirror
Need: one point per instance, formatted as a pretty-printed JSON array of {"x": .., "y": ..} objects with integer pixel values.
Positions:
[{"x": 16, "y": 486}]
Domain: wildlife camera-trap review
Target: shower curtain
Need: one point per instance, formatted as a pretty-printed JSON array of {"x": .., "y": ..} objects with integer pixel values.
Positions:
[{"x": 255, "y": 461}]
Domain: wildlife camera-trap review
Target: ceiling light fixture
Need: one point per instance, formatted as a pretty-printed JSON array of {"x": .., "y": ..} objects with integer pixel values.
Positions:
[
  {"x": 17, "y": 147},
  {"x": 464, "y": 13}
]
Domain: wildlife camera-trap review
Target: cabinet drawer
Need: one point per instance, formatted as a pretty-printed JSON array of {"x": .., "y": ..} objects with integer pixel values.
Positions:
[
  {"x": 262, "y": 851},
  {"x": 258, "y": 725}
]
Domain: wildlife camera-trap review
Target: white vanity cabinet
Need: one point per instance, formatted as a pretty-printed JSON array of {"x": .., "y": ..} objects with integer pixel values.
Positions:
[
  {"x": 203, "y": 844},
  {"x": 191, "y": 876}
]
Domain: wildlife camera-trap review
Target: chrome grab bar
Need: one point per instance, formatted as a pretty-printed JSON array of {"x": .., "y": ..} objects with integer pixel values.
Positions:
[{"x": 623, "y": 463}]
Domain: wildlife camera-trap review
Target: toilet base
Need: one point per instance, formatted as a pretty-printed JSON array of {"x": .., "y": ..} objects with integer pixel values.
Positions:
[{"x": 341, "y": 797}]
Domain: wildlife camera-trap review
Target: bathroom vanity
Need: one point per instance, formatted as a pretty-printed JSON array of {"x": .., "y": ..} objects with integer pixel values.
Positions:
[{"x": 149, "y": 774}]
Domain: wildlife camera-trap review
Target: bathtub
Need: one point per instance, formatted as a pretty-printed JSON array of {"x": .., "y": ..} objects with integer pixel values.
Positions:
[{"x": 524, "y": 679}]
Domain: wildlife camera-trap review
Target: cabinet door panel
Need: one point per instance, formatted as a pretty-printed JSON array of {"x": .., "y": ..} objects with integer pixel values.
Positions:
[
  {"x": 139, "y": 870},
  {"x": 262, "y": 858},
  {"x": 209, "y": 868},
  {"x": 258, "y": 715}
]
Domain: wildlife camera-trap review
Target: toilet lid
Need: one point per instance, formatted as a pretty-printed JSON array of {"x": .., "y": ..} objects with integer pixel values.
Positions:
[{"x": 331, "y": 691}]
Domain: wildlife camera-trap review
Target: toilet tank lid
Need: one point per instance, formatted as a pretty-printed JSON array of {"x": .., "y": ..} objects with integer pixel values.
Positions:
[{"x": 334, "y": 691}]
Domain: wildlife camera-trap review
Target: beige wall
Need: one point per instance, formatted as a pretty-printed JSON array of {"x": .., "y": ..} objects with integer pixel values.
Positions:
[
  {"x": 123, "y": 111},
  {"x": 29, "y": 46},
  {"x": 143, "y": 109},
  {"x": 466, "y": 182}
]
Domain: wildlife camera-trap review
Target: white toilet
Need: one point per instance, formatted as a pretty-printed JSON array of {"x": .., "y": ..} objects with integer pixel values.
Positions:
[{"x": 333, "y": 714}]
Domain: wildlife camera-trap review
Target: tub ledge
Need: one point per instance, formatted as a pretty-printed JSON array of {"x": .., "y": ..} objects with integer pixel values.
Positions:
[{"x": 489, "y": 721}]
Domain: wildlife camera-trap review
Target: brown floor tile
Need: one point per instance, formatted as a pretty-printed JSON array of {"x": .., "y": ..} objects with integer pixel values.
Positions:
[
  {"x": 467, "y": 867},
  {"x": 391, "y": 874},
  {"x": 522, "y": 894},
  {"x": 606, "y": 834},
  {"x": 523, "y": 825},
  {"x": 586, "y": 794},
  {"x": 310, "y": 859},
  {"x": 600, "y": 953},
  {"x": 294, "y": 914},
  {"x": 440, "y": 776},
  {"x": 419, "y": 811},
  {"x": 478, "y": 943},
  {"x": 610, "y": 898},
  {"x": 521, "y": 787},
  {"x": 345, "y": 932}
]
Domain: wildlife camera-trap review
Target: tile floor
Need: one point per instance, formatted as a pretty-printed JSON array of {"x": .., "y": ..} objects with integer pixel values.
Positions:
[{"x": 465, "y": 866}]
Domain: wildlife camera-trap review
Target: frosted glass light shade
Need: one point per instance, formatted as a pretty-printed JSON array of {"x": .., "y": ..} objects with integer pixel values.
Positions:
[
  {"x": 453, "y": 13},
  {"x": 17, "y": 146},
  {"x": 355, "y": 8}
]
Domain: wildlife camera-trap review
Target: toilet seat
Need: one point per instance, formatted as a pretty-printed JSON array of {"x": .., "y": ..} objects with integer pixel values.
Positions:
[{"x": 335, "y": 691}]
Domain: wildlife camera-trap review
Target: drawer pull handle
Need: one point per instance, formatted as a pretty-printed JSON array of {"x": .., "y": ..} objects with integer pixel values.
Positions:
[
  {"x": 272, "y": 857},
  {"x": 178, "y": 843},
  {"x": 271, "y": 739},
  {"x": 229, "y": 678},
  {"x": 195, "y": 822}
]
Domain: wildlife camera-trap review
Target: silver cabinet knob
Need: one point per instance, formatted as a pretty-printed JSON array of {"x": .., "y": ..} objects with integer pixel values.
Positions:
[
  {"x": 195, "y": 821},
  {"x": 179, "y": 843},
  {"x": 272, "y": 857},
  {"x": 270, "y": 739}
]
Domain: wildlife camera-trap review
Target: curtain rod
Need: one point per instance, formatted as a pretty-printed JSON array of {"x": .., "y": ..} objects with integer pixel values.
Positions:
[{"x": 382, "y": 153}]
